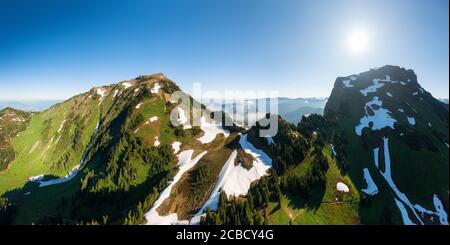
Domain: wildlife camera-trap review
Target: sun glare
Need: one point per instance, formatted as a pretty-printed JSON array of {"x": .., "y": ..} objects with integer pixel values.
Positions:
[{"x": 358, "y": 42}]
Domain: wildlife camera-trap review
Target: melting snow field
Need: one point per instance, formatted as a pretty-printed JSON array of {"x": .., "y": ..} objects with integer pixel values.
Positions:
[
  {"x": 72, "y": 173},
  {"x": 211, "y": 130},
  {"x": 372, "y": 188},
  {"x": 236, "y": 180},
  {"x": 381, "y": 117},
  {"x": 342, "y": 187},
  {"x": 213, "y": 200},
  {"x": 185, "y": 162}
]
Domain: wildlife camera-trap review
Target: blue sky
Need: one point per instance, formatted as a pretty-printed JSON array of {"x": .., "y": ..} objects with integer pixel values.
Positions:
[{"x": 56, "y": 49}]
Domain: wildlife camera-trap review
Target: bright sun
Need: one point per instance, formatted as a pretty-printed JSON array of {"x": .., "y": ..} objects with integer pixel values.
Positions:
[{"x": 358, "y": 41}]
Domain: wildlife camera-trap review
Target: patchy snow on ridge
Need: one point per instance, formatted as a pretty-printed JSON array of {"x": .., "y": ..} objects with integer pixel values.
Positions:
[
  {"x": 211, "y": 130},
  {"x": 381, "y": 118},
  {"x": 126, "y": 85},
  {"x": 176, "y": 147},
  {"x": 377, "y": 83},
  {"x": 371, "y": 188},
  {"x": 115, "y": 93},
  {"x": 342, "y": 187},
  {"x": 347, "y": 84},
  {"x": 185, "y": 162},
  {"x": 411, "y": 121},
  {"x": 155, "y": 88},
  {"x": 102, "y": 93}
]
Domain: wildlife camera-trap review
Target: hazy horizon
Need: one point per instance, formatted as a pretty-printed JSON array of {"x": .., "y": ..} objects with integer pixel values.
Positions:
[{"x": 298, "y": 48}]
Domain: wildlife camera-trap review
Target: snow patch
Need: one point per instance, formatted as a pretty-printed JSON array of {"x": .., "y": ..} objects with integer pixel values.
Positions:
[
  {"x": 377, "y": 83},
  {"x": 381, "y": 118},
  {"x": 389, "y": 94},
  {"x": 403, "y": 202},
  {"x": 126, "y": 85},
  {"x": 342, "y": 187},
  {"x": 185, "y": 162},
  {"x": 211, "y": 130},
  {"x": 157, "y": 143},
  {"x": 372, "y": 188},
  {"x": 375, "y": 156},
  {"x": 411, "y": 121},
  {"x": 347, "y": 84},
  {"x": 36, "y": 178},
  {"x": 404, "y": 212},
  {"x": 213, "y": 200},
  {"x": 440, "y": 211},
  {"x": 139, "y": 105},
  {"x": 176, "y": 147},
  {"x": 155, "y": 88}
]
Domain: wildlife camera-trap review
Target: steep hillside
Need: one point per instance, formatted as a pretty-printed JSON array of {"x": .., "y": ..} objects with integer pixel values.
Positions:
[
  {"x": 396, "y": 144},
  {"x": 109, "y": 155},
  {"x": 12, "y": 123}
]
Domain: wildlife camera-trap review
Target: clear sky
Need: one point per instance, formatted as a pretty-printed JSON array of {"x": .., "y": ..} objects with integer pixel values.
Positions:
[{"x": 56, "y": 49}]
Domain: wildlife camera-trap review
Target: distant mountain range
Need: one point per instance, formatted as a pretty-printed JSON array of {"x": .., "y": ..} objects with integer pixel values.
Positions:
[
  {"x": 30, "y": 106},
  {"x": 375, "y": 152}
]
